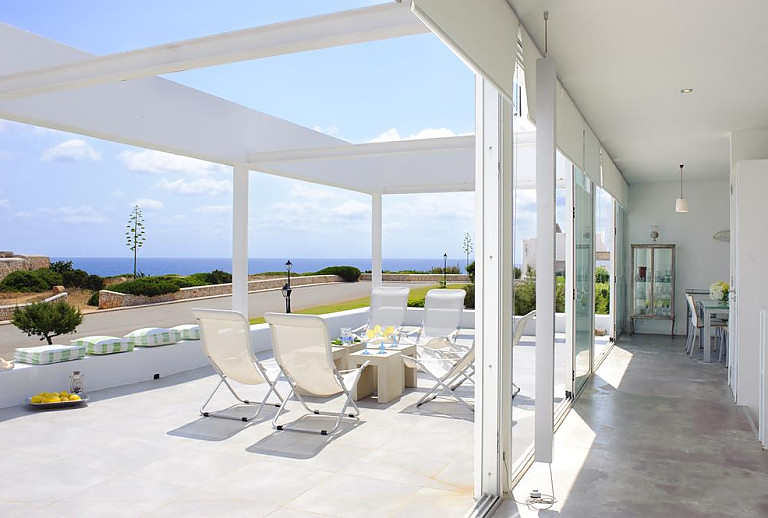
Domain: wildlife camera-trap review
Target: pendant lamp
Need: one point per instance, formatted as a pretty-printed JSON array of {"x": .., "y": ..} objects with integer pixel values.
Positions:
[{"x": 681, "y": 204}]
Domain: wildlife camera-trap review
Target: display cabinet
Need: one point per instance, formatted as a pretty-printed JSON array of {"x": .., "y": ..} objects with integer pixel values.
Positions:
[{"x": 653, "y": 283}]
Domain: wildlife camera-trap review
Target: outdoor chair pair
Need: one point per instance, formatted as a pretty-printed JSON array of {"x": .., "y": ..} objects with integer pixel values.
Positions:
[{"x": 302, "y": 354}]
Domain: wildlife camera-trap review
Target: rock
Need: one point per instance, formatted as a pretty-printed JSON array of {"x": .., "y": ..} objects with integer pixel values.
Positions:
[{"x": 58, "y": 289}]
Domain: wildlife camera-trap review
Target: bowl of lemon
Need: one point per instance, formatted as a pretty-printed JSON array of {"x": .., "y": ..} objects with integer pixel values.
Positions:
[{"x": 57, "y": 399}]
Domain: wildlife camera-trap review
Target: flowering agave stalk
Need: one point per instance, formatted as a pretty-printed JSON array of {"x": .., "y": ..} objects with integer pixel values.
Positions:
[{"x": 134, "y": 234}]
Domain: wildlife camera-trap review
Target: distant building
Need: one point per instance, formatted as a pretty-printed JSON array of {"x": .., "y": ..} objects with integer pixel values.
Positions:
[{"x": 529, "y": 252}]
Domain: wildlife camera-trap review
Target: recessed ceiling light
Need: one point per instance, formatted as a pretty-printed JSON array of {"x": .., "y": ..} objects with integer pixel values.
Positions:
[{"x": 686, "y": 90}]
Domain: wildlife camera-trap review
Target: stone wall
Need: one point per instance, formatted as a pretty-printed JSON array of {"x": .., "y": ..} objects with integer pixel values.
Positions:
[
  {"x": 112, "y": 299},
  {"x": 419, "y": 277},
  {"x": 6, "y": 312},
  {"x": 10, "y": 262}
]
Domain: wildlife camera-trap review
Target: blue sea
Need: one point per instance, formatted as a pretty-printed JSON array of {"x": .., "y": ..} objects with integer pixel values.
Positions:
[{"x": 108, "y": 266}]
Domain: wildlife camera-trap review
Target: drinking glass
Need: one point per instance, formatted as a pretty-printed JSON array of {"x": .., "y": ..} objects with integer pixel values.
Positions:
[{"x": 346, "y": 335}]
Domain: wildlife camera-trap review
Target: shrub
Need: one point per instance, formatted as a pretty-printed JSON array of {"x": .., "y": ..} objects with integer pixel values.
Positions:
[
  {"x": 94, "y": 282},
  {"x": 47, "y": 320},
  {"x": 418, "y": 303},
  {"x": 61, "y": 266},
  {"x": 469, "y": 298},
  {"x": 525, "y": 294},
  {"x": 74, "y": 278},
  {"x": 602, "y": 298},
  {"x": 517, "y": 272},
  {"x": 471, "y": 272},
  {"x": 214, "y": 277},
  {"x": 147, "y": 286},
  {"x": 93, "y": 300},
  {"x": 449, "y": 269},
  {"x": 31, "y": 281},
  {"x": 348, "y": 273},
  {"x": 602, "y": 274}
]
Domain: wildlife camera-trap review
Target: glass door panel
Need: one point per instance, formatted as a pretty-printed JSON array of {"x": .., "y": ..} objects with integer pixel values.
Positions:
[
  {"x": 643, "y": 282},
  {"x": 584, "y": 263},
  {"x": 662, "y": 282}
]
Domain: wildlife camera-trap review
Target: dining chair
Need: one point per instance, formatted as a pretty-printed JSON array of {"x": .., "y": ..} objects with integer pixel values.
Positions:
[{"x": 695, "y": 325}]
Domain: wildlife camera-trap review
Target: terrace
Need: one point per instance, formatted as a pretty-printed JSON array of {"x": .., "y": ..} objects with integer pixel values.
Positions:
[{"x": 533, "y": 146}]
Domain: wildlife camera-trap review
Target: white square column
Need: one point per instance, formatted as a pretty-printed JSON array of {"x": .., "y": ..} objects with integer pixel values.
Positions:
[
  {"x": 377, "y": 230},
  {"x": 240, "y": 175},
  {"x": 493, "y": 288},
  {"x": 546, "y": 82}
]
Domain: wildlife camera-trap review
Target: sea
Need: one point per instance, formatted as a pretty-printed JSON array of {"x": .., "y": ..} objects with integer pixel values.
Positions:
[{"x": 109, "y": 266}]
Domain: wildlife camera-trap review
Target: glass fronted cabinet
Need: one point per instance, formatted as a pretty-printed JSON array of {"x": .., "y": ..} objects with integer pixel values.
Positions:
[{"x": 653, "y": 283}]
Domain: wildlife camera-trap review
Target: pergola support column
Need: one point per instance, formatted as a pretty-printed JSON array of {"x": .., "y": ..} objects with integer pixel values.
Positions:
[
  {"x": 240, "y": 239},
  {"x": 377, "y": 230}
]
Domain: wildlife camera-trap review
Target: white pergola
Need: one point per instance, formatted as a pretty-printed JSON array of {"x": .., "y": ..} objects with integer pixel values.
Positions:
[{"x": 118, "y": 97}]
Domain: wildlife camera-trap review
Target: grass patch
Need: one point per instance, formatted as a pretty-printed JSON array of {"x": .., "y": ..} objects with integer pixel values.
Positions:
[{"x": 416, "y": 294}]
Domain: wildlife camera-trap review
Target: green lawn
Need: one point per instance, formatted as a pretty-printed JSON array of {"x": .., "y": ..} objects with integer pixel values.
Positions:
[{"x": 416, "y": 294}]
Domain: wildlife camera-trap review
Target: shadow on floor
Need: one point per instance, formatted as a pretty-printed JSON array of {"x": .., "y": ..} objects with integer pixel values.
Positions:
[{"x": 303, "y": 441}]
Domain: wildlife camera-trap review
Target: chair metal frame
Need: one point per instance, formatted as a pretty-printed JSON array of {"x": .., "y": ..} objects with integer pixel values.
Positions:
[
  {"x": 274, "y": 319},
  {"x": 203, "y": 314},
  {"x": 448, "y": 381}
]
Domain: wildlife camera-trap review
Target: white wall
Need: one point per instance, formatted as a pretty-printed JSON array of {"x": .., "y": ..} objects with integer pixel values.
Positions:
[{"x": 700, "y": 259}]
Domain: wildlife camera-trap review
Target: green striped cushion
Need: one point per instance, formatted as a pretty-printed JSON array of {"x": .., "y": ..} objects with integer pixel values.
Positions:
[
  {"x": 45, "y": 354},
  {"x": 152, "y": 337},
  {"x": 187, "y": 331},
  {"x": 104, "y": 344}
]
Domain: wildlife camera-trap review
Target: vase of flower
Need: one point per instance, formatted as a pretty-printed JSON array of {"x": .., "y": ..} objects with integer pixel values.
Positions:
[{"x": 718, "y": 291}]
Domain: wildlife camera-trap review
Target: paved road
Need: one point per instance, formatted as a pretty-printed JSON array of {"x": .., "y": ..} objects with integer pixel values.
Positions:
[{"x": 122, "y": 322}]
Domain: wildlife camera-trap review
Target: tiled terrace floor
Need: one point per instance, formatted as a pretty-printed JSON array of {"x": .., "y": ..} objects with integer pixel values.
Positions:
[{"x": 142, "y": 450}]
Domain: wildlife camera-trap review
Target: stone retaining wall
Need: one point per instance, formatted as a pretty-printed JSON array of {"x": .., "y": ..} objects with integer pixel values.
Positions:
[
  {"x": 9, "y": 262},
  {"x": 6, "y": 312},
  {"x": 112, "y": 299},
  {"x": 419, "y": 277}
]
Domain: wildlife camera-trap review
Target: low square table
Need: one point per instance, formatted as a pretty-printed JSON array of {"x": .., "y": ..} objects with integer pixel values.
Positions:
[{"x": 385, "y": 374}]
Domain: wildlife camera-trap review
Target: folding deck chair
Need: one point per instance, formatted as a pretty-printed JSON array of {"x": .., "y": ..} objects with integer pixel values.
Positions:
[
  {"x": 303, "y": 351},
  {"x": 446, "y": 368},
  {"x": 226, "y": 341},
  {"x": 388, "y": 308}
]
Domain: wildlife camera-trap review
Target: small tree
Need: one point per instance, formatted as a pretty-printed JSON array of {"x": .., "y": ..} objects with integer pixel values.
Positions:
[
  {"x": 134, "y": 234},
  {"x": 467, "y": 246},
  {"x": 47, "y": 319}
]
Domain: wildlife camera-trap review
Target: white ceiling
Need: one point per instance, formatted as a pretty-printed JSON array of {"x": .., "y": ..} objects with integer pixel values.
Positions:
[{"x": 624, "y": 64}]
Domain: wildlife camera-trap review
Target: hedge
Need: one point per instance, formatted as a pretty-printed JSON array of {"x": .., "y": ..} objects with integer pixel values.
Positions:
[
  {"x": 147, "y": 286},
  {"x": 348, "y": 273},
  {"x": 31, "y": 281}
]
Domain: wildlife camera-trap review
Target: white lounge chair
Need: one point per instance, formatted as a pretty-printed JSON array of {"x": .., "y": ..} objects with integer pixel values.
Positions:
[
  {"x": 388, "y": 308},
  {"x": 442, "y": 316},
  {"x": 302, "y": 349},
  {"x": 519, "y": 330},
  {"x": 447, "y": 368},
  {"x": 227, "y": 344}
]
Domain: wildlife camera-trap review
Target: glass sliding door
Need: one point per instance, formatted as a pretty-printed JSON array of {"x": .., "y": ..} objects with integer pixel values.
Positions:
[
  {"x": 584, "y": 277},
  {"x": 620, "y": 272}
]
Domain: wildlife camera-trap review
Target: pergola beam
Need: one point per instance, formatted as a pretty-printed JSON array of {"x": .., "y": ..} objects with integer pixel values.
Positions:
[
  {"x": 306, "y": 34},
  {"x": 370, "y": 149}
]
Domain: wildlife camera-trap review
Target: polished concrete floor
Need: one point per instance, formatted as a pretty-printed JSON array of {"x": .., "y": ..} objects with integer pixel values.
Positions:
[{"x": 655, "y": 434}]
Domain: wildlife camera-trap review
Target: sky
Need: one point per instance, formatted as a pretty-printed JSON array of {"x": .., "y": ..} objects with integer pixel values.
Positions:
[{"x": 69, "y": 195}]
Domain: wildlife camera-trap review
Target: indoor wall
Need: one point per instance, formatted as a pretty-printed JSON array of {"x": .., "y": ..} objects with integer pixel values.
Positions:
[{"x": 700, "y": 259}]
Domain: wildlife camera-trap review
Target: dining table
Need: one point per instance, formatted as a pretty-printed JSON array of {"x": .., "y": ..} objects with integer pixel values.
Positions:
[{"x": 709, "y": 308}]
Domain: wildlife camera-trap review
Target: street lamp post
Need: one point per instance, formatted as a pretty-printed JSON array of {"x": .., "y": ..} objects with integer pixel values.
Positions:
[
  {"x": 287, "y": 288},
  {"x": 445, "y": 269}
]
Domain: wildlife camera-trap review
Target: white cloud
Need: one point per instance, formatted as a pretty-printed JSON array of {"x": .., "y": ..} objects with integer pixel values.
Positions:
[
  {"x": 200, "y": 186},
  {"x": 73, "y": 150},
  {"x": 23, "y": 215},
  {"x": 393, "y": 135},
  {"x": 351, "y": 209},
  {"x": 5, "y": 204},
  {"x": 148, "y": 204},
  {"x": 312, "y": 192},
  {"x": 157, "y": 162},
  {"x": 4, "y": 155},
  {"x": 214, "y": 209},
  {"x": 330, "y": 130},
  {"x": 75, "y": 215}
]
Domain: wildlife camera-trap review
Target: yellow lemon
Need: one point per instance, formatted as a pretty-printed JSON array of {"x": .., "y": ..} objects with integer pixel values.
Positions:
[
  {"x": 51, "y": 400},
  {"x": 35, "y": 399},
  {"x": 63, "y": 393},
  {"x": 389, "y": 331},
  {"x": 370, "y": 333},
  {"x": 377, "y": 329},
  {"x": 74, "y": 397}
]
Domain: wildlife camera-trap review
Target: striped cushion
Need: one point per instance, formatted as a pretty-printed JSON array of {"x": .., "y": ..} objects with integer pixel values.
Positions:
[
  {"x": 45, "y": 354},
  {"x": 104, "y": 344},
  {"x": 152, "y": 337},
  {"x": 187, "y": 331}
]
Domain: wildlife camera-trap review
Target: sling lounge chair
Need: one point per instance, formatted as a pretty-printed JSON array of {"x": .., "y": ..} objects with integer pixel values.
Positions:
[
  {"x": 303, "y": 351},
  {"x": 226, "y": 342}
]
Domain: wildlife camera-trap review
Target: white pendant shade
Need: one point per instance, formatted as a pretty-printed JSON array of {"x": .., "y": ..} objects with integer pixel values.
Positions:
[{"x": 681, "y": 205}]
